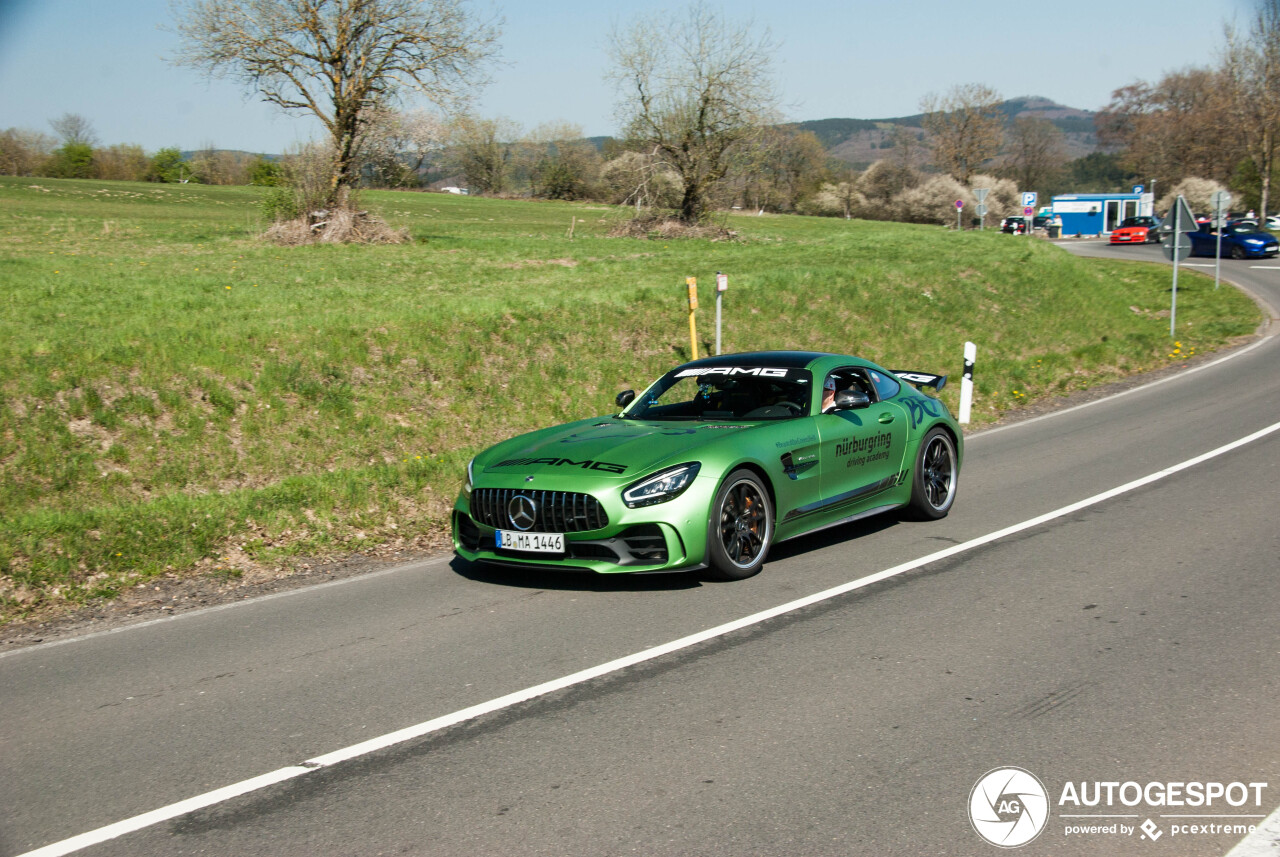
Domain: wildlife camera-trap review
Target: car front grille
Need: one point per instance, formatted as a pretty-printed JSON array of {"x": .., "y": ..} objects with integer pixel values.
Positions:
[{"x": 554, "y": 511}]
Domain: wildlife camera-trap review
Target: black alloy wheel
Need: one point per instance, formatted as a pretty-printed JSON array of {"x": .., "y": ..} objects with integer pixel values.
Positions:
[
  {"x": 933, "y": 487},
  {"x": 741, "y": 527}
]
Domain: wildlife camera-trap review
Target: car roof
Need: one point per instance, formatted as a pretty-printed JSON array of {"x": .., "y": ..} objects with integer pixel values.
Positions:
[{"x": 780, "y": 359}]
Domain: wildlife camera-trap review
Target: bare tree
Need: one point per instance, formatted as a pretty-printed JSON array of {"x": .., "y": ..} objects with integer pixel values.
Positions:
[
  {"x": 121, "y": 162},
  {"x": 74, "y": 129},
  {"x": 965, "y": 127},
  {"x": 696, "y": 90},
  {"x": 1035, "y": 151},
  {"x": 563, "y": 164},
  {"x": 640, "y": 179},
  {"x": 400, "y": 146},
  {"x": 338, "y": 59},
  {"x": 883, "y": 181},
  {"x": 1172, "y": 129},
  {"x": 23, "y": 152},
  {"x": 484, "y": 150},
  {"x": 1252, "y": 66},
  {"x": 906, "y": 146}
]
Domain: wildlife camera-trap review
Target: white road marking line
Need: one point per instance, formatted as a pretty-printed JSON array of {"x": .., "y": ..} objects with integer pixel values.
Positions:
[
  {"x": 1263, "y": 842},
  {"x": 1165, "y": 380},
  {"x": 139, "y": 822}
]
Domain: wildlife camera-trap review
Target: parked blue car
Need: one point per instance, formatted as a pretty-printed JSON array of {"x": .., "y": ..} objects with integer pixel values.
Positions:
[{"x": 1239, "y": 241}]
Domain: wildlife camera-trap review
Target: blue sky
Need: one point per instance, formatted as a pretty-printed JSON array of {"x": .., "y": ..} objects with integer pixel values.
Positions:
[{"x": 105, "y": 61}]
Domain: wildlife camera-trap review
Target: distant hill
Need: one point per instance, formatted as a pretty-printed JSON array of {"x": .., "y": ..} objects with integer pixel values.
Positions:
[{"x": 862, "y": 142}]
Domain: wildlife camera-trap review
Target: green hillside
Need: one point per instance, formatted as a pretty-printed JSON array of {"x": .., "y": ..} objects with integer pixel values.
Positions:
[{"x": 178, "y": 398}]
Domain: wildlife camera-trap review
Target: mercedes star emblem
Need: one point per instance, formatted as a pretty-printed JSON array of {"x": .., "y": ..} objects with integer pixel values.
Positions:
[{"x": 522, "y": 512}]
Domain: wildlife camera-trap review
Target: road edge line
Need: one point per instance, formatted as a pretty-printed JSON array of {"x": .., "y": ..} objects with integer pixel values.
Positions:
[{"x": 139, "y": 822}]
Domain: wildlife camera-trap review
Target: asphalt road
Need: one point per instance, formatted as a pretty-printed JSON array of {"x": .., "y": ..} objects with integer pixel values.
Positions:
[{"x": 1132, "y": 639}]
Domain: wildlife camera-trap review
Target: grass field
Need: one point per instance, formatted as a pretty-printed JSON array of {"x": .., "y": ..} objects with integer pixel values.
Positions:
[{"x": 178, "y": 398}]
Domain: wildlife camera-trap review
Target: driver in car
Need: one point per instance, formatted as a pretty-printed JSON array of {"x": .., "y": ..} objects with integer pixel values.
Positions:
[{"x": 829, "y": 394}]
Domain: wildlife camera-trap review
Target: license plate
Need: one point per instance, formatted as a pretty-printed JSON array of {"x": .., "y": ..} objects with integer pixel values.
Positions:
[{"x": 531, "y": 542}]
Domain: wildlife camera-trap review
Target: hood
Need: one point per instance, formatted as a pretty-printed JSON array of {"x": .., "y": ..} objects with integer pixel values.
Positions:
[{"x": 605, "y": 447}]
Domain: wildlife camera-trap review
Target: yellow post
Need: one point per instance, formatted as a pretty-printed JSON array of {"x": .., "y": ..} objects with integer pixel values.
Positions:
[{"x": 692, "y": 283}]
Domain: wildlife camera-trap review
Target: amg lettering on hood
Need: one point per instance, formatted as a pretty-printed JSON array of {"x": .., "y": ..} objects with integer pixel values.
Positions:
[
  {"x": 759, "y": 371},
  {"x": 605, "y": 466}
]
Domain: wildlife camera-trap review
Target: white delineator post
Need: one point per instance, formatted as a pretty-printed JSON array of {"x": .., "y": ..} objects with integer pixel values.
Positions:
[{"x": 966, "y": 382}]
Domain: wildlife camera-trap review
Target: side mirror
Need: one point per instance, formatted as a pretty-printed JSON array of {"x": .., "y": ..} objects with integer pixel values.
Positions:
[
  {"x": 851, "y": 400},
  {"x": 625, "y": 398}
]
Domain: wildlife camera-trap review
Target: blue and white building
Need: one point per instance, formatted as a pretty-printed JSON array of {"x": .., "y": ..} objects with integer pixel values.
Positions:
[{"x": 1099, "y": 213}]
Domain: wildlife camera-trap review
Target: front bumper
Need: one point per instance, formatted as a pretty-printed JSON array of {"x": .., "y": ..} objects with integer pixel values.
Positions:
[{"x": 665, "y": 537}]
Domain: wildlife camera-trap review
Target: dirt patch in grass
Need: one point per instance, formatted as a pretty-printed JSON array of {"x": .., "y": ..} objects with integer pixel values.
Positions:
[
  {"x": 664, "y": 228},
  {"x": 336, "y": 227}
]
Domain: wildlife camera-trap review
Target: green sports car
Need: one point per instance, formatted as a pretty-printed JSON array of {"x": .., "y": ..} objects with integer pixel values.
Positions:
[{"x": 711, "y": 465}]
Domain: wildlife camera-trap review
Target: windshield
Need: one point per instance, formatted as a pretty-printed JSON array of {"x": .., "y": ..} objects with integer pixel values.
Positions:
[{"x": 725, "y": 393}]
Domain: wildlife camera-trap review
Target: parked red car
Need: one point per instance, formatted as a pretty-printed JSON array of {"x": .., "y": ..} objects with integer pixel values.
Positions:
[{"x": 1137, "y": 230}]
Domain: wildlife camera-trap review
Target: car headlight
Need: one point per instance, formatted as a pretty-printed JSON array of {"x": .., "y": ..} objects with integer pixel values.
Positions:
[
  {"x": 466, "y": 486},
  {"x": 1254, "y": 241},
  {"x": 660, "y": 487}
]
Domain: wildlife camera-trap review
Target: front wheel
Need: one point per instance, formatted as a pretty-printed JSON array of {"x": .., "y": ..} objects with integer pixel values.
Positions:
[
  {"x": 933, "y": 484},
  {"x": 1237, "y": 252},
  {"x": 741, "y": 527}
]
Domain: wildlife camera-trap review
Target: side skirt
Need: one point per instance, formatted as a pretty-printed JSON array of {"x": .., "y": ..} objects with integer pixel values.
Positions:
[{"x": 847, "y": 520}]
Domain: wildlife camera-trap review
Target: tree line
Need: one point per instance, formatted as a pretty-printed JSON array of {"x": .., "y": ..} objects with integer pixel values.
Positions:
[
  {"x": 75, "y": 153},
  {"x": 1217, "y": 124},
  {"x": 701, "y": 129}
]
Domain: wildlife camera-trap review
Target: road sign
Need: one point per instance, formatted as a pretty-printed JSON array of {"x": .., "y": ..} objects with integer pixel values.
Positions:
[
  {"x": 981, "y": 209},
  {"x": 1186, "y": 221},
  {"x": 1029, "y": 198},
  {"x": 1028, "y": 211},
  {"x": 1138, "y": 188},
  {"x": 1221, "y": 200},
  {"x": 959, "y": 204},
  {"x": 1179, "y": 245},
  {"x": 981, "y": 193}
]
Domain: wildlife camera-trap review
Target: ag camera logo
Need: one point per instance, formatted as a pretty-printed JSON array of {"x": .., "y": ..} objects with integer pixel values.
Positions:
[{"x": 1008, "y": 807}]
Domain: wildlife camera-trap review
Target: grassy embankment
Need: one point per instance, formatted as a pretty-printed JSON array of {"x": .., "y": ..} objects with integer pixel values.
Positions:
[{"x": 178, "y": 398}]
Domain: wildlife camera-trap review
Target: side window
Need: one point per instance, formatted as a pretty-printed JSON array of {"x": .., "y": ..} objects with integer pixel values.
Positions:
[
  {"x": 852, "y": 378},
  {"x": 886, "y": 387}
]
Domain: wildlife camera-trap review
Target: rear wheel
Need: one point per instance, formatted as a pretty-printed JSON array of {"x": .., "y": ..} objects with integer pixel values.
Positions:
[
  {"x": 741, "y": 527},
  {"x": 934, "y": 480}
]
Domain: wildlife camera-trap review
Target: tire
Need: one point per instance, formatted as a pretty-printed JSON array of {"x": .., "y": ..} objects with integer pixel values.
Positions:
[
  {"x": 741, "y": 528},
  {"x": 1237, "y": 252},
  {"x": 935, "y": 477}
]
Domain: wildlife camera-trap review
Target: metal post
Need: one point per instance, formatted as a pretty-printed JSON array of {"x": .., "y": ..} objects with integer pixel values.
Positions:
[
  {"x": 1177, "y": 240},
  {"x": 966, "y": 382},
  {"x": 1218, "y": 223},
  {"x": 722, "y": 283},
  {"x": 692, "y": 283}
]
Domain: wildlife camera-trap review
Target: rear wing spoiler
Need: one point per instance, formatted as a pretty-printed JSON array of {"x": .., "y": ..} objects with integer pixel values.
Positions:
[{"x": 919, "y": 380}]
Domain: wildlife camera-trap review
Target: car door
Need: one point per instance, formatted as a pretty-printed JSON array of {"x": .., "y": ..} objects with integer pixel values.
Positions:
[{"x": 861, "y": 450}]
